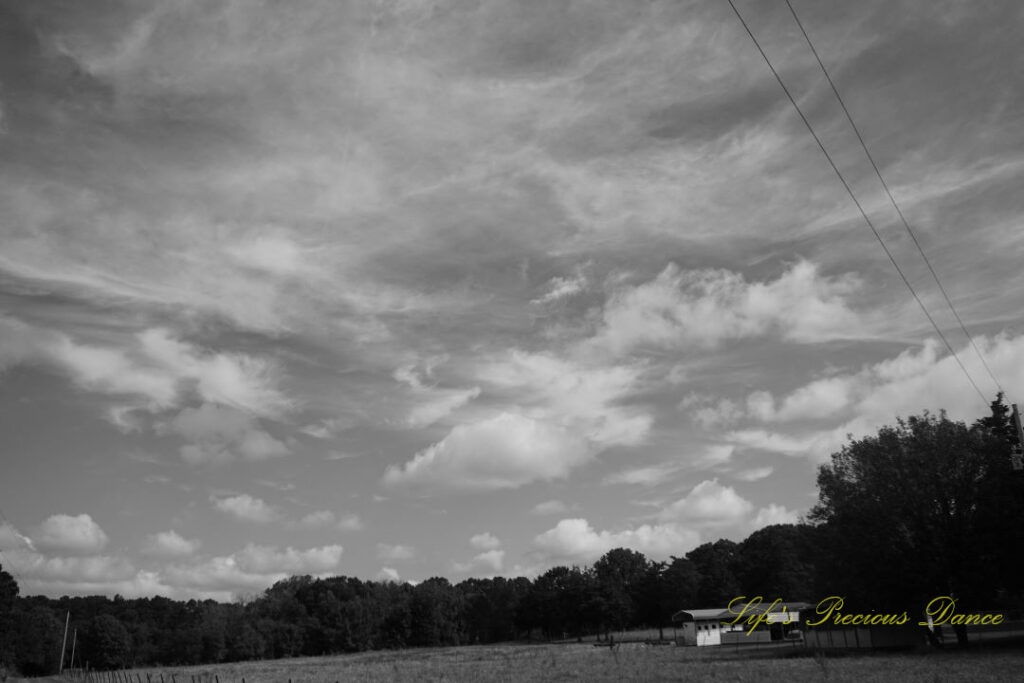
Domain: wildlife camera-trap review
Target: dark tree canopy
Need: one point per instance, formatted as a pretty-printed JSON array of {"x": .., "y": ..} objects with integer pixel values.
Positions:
[
  {"x": 716, "y": 565},
  {"x": 776, "y": 563},
  {"x": 929, "y": 507}
]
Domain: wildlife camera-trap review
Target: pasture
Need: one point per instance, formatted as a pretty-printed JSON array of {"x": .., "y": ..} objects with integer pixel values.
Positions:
[{"x": 628, "y": 662}]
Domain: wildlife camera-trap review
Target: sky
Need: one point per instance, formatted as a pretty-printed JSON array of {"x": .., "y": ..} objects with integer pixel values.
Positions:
[{"x": 415, "y": 288}]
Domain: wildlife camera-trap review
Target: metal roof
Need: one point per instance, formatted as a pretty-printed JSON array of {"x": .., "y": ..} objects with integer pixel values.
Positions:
[{"x": 718, "y": 613}]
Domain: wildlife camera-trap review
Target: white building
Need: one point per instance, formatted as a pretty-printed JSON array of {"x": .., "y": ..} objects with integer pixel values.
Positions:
[{"x": 715, "y": 626}]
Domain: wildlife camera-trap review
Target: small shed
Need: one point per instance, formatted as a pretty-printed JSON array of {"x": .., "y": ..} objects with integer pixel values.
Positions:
[
  {"x": 715, "y": 626},
  {"x": 701, "y": 626}
]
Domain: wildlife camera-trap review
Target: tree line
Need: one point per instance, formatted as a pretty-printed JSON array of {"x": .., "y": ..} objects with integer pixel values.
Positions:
[{"x": 924, "y": 508}]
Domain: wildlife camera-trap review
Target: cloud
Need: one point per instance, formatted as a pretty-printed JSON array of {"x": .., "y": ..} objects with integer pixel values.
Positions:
[
  {"x": 774, "y": 514},
  {"x": 169, "y": 544},
  {"x": 573, "y": 393},
  {"x": 64, "y": 533},
  {"x": 651, "y": 475},
  {"x": 233, "y": 379},
  {"x": 252, "y": 569},
  {"x": 916, "y": 379},
  {"x": 259, "y": 559},
  {"x": 819, "y": 399},
  {"x": 156, "y": 368},
  {"x": 112, "y": 371},
  {"x": 93, "y": 569},
  {"x": 773, "y": 441},
  {"x": 709, "y": 504},
  {"x": 485, "y": 541},
  {"x": 505, "y": 451},
  {"x": 125, "y": 419},
  {"x": 276, "y": 254},
  {"x": 489, "y": 562},
  {"x": 703, "y": 308},
  {"x": 388, "y": 575},
  {"x": 386, "y": 551},
  {"x": 325, "y": 518},
  {"x": 562, "y": 288},
  {"x": 246, "y": 508},
  {"x": 549, "y": 507},
  {"x": 724, "y": 412},
  {"x": 12, "y": 539},
  {"x": 221, "y": 434},
  {"x": 754, "y": 473},
  {"x": 440, "y": 404},
  {"x": 566, "y": 412},
  {"x": 433, "y": 404},
  {"x": 574, "y": 540}
]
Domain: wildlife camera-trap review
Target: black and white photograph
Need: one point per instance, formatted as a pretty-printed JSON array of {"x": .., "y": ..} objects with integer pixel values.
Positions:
[{"x": 511, "y": 340}]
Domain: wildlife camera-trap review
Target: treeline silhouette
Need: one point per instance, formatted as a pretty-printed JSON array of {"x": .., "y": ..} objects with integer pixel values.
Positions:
[
  {"x": 928, "y": 507},
  {"x": 310, "y": 616}
]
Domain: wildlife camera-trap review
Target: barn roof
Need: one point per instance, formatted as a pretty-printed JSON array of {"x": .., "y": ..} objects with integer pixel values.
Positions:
[{"x": 718, "y": 613}]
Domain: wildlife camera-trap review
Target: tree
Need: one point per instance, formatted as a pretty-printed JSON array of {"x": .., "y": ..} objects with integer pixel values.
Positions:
[
  {"x": 8, "y": 599},
  {"x": 106, "y": 643},
  {"x": 775, "y": 562},
  {"x": 715, "y": 563},
  {"x": 927, "y": 508},
  {"x": 620, "y": 576},
  {"x": 38, "y": 640}
]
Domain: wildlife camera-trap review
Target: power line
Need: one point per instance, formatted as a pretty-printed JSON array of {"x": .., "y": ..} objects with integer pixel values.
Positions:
[
  {"x": 860, "y": 208},
  {"x": 892, "y": 199}
]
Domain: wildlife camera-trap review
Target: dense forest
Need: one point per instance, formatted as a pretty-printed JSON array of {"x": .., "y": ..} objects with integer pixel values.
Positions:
[{"x": 925, "y": 508}]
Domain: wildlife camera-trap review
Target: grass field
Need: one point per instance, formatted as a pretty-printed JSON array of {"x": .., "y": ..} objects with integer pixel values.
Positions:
[{"x": 626, "y": 663}]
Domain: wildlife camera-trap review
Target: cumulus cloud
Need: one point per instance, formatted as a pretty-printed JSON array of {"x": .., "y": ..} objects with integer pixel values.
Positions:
[
  {"x": 259, "y": 559},
  {"x": 386, "y": 551},
  {"x": 774, "y": 514},
  {"x": 94, "y": 569},
  {"x": 916, "y": 379},
  {"x": 702, "y": 308},
  {"x": 505, "y": 451},
  {"x": 709, "y": 504},
  {"x": 169, "y": 544},
  {"x": 246, "y": 508},
  {"x": 574, "y": 540},
  {"x": 156, "y": 368},
  {"x": 566, "y": 412},
  {"x": 487, "y": 562},
  {"x": 388, "y": 575},
  {"x": 485, "y": 541},
  {"x": 252, "y": 569},
  {"x": 573, "y": 393},
  {"x": 64, "y": 533},
  {"x": 821, "y": 398}
]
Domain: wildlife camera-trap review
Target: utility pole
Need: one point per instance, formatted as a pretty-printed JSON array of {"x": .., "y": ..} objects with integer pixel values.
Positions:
[
  {"x": 64, "y": 644},
  {"x": 1017, "y": 454}
]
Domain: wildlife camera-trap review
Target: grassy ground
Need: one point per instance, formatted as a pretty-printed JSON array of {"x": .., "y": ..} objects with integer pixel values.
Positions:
[{"x": 626, "y": 663}]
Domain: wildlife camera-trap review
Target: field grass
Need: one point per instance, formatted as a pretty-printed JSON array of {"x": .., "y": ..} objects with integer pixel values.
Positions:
[{"x": 626, "y": 663}]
